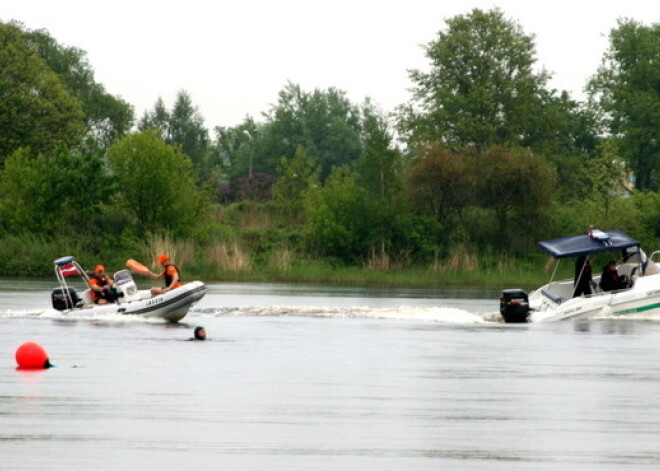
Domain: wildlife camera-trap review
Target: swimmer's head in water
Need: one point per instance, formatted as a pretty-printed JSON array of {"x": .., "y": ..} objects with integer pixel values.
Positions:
[{"x": 200, "y": 333}]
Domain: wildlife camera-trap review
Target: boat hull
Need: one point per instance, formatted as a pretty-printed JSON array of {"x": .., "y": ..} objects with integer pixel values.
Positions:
[
  {"x": 171, "y": 306},
  {"x": 643, "y": 300}
]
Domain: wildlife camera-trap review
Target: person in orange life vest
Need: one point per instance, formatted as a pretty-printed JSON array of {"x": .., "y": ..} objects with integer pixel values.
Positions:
[
  {"x": 170, "y": 273},
  {"x": 101, "y": 286}
]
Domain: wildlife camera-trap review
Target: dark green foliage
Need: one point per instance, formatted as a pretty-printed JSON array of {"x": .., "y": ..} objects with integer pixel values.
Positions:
[
  {"x": 346, "y": 223},
  {"x": 36, "y": 109},
  {"x": 381, "y": 163},
  {"x": 481, "y": 89},
  {"x": 296, "y": 176},
  {"x": 157, "y": 184},
  {"x": 183, "y": 127},
  {"x": 61, "y": 192},
  {"x": 627, "y": 89},
  {"x": 107, "y": 117},
  {"x": 324, "y": 123}
]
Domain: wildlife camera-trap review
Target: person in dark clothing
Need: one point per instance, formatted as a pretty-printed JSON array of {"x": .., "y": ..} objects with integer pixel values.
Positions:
[
  {"x": 101, "y": 287},
  {"x": 610, "y": 280},
  {"x": 583, "y": 278},
  {"x": 199, "y": 333}
]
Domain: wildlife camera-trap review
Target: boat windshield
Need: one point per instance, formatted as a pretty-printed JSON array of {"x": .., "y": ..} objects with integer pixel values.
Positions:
[{"x": 122, "y": 277}]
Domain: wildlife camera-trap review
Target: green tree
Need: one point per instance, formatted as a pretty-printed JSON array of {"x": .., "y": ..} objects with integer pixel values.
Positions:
[
  {"x": 323, "y": 122},
  {"x": 297, "y": 176},
  {"x": 36, "y": 110},
  {"x": 183, "y": 126},
  {"x": 627, "y": 90},
  {"x": 234, "y": 147},
  {"x": 59, "y": 193},
  {"x": 380, "y": 166},
  {"x": 336, "y": 213},
  {"x": 481, "y": 89},
  {"x": 513, "y": 181},
  {"x": 441, "y": 183},
  {"x": 606, "y": 175},
  {"x": 157, "y": 184},
  {"x": 348, "y": 224},
  {"x": 107, "y": 117}
]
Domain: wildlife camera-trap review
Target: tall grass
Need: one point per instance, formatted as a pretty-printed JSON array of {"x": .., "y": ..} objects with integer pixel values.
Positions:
[
  {"x": 229, "y": 257},
  {"x": 182, "y": 252},
  {"x": 281, "y": 259},
  {"x": 378, "y": 260}
]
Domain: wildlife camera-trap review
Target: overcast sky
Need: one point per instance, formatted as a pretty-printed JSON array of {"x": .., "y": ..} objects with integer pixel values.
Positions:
[{"x": 233, "y": 57}]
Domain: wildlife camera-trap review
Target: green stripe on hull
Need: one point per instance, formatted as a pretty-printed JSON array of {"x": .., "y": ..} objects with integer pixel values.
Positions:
[{"x": 637, "y": 309}]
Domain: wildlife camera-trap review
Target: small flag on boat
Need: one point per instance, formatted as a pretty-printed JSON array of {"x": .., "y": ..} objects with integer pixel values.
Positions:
[{"x": 69, "y": 270}]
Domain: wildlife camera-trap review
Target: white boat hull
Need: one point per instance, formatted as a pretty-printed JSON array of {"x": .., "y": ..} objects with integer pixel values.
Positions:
[
  {"x": 643, "y": 299},
  {"x": 171, "y": 306}
]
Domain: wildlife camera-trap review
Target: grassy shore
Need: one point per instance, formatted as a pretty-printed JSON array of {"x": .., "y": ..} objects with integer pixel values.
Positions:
[
  {"x": 524, "y": 274},
  {"x": 32, "y": 257}
]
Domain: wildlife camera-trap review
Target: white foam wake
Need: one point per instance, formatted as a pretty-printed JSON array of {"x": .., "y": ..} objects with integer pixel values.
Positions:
[{"x": 434, "y": 314}]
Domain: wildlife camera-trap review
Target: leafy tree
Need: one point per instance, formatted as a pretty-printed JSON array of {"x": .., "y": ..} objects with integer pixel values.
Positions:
[
  {"x": 324, "y": 123},
  {"x": 380, "y": 166},
  {"x": 346, "y": 223},
  {"x": 566, "y": 134},
  {"x": 61, "y": 192},
  {"x": 297, "y": 176},
  {"x": 441, "y": 183},
  {"x": 606, "y": 175},
  {"x": 157, "y": 183},
  {"x": 36, "y": 110},
  {"x": 335, "y": 213},
  {"x": 107, "y": 117},
  {"x": 513, "y": 181},
  {"x": 627, "y": 89},
  {"x": 183, "y": 126},
  {"x": 234, "y": 147},
  {"x": 481, "y": 89}
]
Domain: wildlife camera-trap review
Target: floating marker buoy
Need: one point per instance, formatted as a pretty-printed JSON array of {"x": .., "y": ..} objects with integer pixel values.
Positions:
[{"x": 31, "y": 355}]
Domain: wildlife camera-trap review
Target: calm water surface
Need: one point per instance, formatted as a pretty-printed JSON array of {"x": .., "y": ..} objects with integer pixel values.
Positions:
[{"x": 317, "y": 378}]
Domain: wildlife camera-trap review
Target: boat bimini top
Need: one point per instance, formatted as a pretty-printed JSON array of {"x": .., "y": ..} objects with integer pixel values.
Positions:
[{"x": 594, "y": 241}]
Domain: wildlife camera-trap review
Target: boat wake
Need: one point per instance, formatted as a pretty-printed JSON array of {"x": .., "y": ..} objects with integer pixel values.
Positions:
[{"x": 427, "y": 314}]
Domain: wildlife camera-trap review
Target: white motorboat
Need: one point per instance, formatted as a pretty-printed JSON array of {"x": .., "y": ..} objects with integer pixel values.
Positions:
[
  {"x": 556, "y": 300},
  {"x": 171, "y": 306}
]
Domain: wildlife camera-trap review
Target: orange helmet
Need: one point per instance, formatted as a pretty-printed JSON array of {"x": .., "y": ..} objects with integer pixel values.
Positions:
[{"x": 99, "y": 268}]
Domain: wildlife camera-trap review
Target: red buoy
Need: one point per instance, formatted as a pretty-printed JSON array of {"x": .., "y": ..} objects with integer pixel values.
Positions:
[{"x": 31, "y": 355}]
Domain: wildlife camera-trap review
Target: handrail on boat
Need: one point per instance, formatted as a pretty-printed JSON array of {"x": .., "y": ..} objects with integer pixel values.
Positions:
[
  {"x": 657, "y": 252},
  {"x": 552, "y": 297}
]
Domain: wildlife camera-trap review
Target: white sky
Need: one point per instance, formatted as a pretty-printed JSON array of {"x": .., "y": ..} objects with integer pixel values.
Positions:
[{"x": 233, "y": 57}]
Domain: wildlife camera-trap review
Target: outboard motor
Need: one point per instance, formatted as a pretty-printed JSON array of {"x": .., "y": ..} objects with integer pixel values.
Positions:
[
  {"x": 65, "y": 298},
  {"x": 514, "y": 305}
]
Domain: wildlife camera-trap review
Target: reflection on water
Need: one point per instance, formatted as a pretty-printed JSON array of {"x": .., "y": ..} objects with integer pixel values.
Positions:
[{"x": 298, "y": 380}]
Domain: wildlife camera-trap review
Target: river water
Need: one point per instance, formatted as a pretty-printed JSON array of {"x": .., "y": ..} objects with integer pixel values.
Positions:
[{"x": 323, "y": 378}]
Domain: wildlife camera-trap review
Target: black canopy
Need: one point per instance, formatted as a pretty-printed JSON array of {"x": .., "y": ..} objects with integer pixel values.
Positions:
[{"x": 585, "y": 244}]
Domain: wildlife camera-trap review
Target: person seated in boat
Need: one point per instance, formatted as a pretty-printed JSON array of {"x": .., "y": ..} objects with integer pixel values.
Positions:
[
  {"x": 610, "y": 280},
  {"x": 170, "y": 274},
  {"x": 583, "y": 279},
  {"x": 102, "y": 287}
]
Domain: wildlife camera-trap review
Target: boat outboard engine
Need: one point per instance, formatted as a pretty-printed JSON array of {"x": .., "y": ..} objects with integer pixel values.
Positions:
[
  {"x": 65, "y": 298},
  {"x": 514, "y": 305}
]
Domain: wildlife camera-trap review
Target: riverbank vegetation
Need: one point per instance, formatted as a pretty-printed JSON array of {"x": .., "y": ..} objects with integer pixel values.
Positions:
[{"x": 455, "y": 186}]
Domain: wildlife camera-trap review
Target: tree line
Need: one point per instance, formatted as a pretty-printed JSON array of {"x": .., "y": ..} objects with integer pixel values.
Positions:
[{"x": 484, "y": 155}]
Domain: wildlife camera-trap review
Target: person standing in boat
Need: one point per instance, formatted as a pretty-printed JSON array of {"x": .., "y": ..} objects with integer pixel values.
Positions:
[
  {"x": 101, "y": 286},
  {"x": 170, "y": 274},
  {"x": 583, "y": 277}
]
